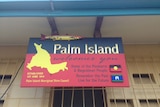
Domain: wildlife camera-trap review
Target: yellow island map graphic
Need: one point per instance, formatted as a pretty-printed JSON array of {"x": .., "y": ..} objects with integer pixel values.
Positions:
[{"x": 42, "y": 59}]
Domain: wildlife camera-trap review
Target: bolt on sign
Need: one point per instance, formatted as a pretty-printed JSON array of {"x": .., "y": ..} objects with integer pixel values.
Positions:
[{"x": 87, "y": 62}]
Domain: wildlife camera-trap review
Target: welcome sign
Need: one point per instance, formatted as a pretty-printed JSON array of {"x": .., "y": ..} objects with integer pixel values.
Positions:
[{"x": 88, "y": 62}]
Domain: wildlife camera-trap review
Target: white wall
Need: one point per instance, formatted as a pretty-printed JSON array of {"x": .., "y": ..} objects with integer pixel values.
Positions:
[{"x": 17, "y": 96}]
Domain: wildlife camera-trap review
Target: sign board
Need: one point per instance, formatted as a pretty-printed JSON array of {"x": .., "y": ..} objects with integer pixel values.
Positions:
[{"x": 88, "y": 62}]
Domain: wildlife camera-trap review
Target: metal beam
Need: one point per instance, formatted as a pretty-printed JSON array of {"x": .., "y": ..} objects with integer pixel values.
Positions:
[
  {"x": 81, "y": 13},
  {"x": 97, "y": 30},
  {"x": 78, "y": 8},
  {"x": 52, "y": 23}
]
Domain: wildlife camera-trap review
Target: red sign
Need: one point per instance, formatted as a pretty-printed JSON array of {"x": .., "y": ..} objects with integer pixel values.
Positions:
[{"x": 75, "y": 63}]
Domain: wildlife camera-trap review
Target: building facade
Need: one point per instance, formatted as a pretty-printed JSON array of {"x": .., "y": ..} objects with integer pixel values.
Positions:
[{"x": 143, "y": 63}]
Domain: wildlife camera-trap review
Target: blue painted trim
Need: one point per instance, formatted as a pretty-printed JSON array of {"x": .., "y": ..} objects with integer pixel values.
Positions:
[
  {"x": 81, "y": 13},
  {"x": 69, "y": 8},
  {"x": 79, "y": 5}
]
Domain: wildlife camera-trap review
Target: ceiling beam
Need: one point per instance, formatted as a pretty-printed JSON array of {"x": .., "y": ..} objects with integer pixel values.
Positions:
[
  {"x": 51, "y": 21},
  {"x": 53, "y": 26},
  {"x": 80, "y": 13},
  {"x": 97, "y": 29}
]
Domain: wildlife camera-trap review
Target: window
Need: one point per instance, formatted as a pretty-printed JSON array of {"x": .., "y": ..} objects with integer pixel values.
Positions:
[
  {"x": 5, "y": 79},
  {"x": 1, "y": 77},
  {"x": 149, "y": 103},
  {"x": 79, "y": 97},
  {"x": 144, "y": 78},
  {"x": 121, "y": 103},
  {"x": 1, "y": 103}
]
